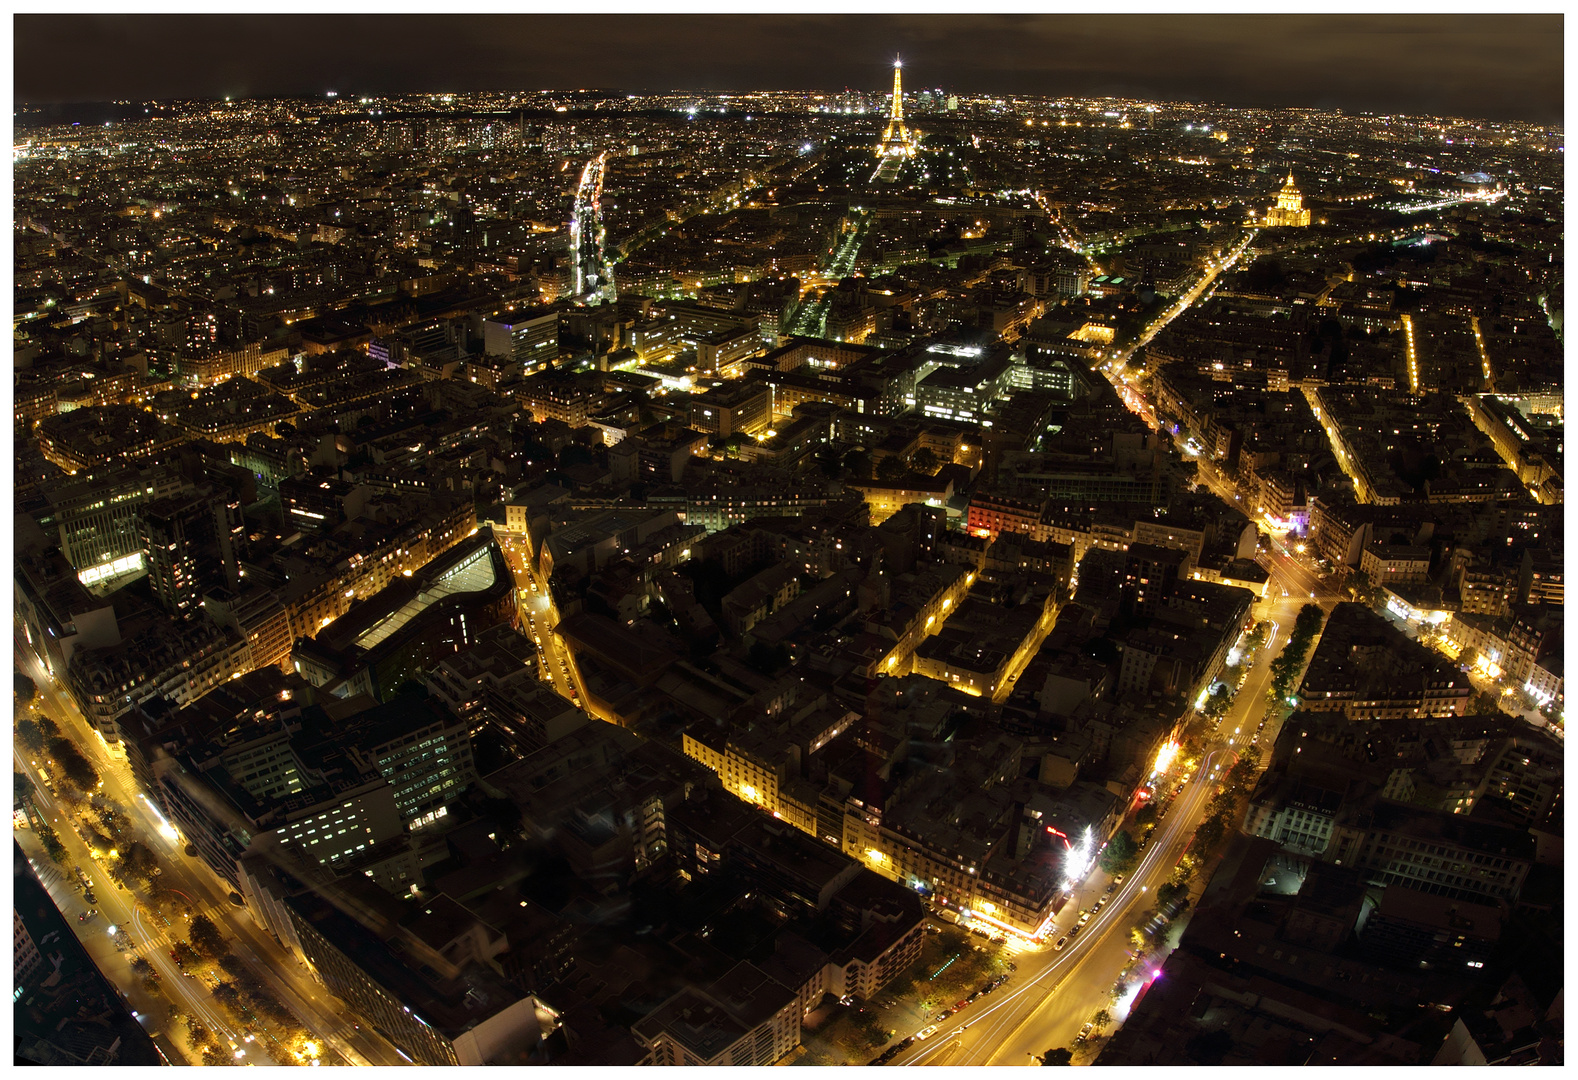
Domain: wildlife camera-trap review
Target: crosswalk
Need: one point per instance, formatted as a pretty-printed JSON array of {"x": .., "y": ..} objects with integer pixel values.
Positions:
[{"x": 160, "y": 942}]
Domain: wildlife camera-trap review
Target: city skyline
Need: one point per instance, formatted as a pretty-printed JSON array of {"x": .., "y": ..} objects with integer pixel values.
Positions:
[
  {"x": 904, "y": 574},
  {"x": 1479, "y": 66}
]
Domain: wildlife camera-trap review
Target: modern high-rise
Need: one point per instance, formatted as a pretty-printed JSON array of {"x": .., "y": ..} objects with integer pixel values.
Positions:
[
  {"x": 530, "y": 338},
  {"x": 190, "y": 543},
  {"x": 96, "y": 517},
  {"x": 422, "y": 751}
]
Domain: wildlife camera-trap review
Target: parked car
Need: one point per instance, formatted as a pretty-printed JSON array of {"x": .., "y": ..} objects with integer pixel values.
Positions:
[
  {"x": 1084, "y": 1033},
  {"x": 1061, "y": 942}
]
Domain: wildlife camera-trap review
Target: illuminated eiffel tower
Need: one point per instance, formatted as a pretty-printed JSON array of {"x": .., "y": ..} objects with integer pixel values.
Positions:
[{"x": 898, "y": 141}]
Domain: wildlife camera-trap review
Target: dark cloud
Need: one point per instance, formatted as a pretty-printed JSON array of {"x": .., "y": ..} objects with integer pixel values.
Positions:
[{"x": 1502, "y": 66}]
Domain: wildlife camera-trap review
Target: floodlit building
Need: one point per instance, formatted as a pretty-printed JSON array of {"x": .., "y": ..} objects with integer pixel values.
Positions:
[{"x": 1289, "y": 211}]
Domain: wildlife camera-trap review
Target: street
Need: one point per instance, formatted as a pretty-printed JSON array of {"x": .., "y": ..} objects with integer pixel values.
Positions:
[
  {"x": 1054, "y": 993},
  {"x": 319, "y": 1012},
  {"x": 538, "y": 618},
  {"x": 117, "y": 908}
]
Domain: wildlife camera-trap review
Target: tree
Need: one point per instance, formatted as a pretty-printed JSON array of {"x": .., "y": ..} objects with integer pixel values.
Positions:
[
  {"x": 891, "y": 469},
  {"x": 1484, "y": 703},
  {"x": 1146, "y": 815},
  {"x": 925, "y": 461},
  {"x": 1101, "y": 1019},
  {"x": 24, "y": 687},
  {"x": 159, "y": 896},
  {"x": 858, "y": 463},
  {"x": 1209, "y": 834},
  {"x": 149, "y": 976},
  {"x": 1222, "y": 802},
  {"x": 206, "y": 938},
  {"x": 1309, "y": 621},
  {"x": 1256, "y": 638},
  {"x": 228, "y": 996},
  {"x": 1061, "y": 1055},
  {"x": 1120, "y": 853},
  {"x": 97, "y": 842},
  {"x": 31, "y": 734},
  {"x": 575, "y": 454},
  {"x": 767, "y": 659},
  {"x": 1170, "y": 891},
  {"x": 830, "y": 460},
  {"x": 1209, "y": 1047},
  {"x": 196, "y": 1033},
  {"x": 185, "y": 955},
  {"x": 73, "y": 765},
  {"x": 21, "y": 786},
  {"x": 52, "y": 844},
  {"x": 270, "y": 1008},
  {"x": 1243, "y": 769}
]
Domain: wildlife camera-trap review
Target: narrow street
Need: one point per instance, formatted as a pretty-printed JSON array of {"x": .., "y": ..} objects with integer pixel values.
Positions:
[{"x": 538, "y": 619}]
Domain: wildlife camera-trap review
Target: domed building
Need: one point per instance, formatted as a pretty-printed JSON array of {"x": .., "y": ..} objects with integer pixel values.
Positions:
[{"x": 1289, "y": 211}]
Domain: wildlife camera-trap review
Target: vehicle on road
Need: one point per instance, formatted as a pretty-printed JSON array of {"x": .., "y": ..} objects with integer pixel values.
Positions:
[
  {"x": 1062, "y": 942},
  {"x": 926, "y": 1033},
  {"x": 1084, "y": 1033}
]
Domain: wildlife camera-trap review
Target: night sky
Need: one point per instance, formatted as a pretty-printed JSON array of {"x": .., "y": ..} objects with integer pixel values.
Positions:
[{"x": 1492, "y": 66}]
